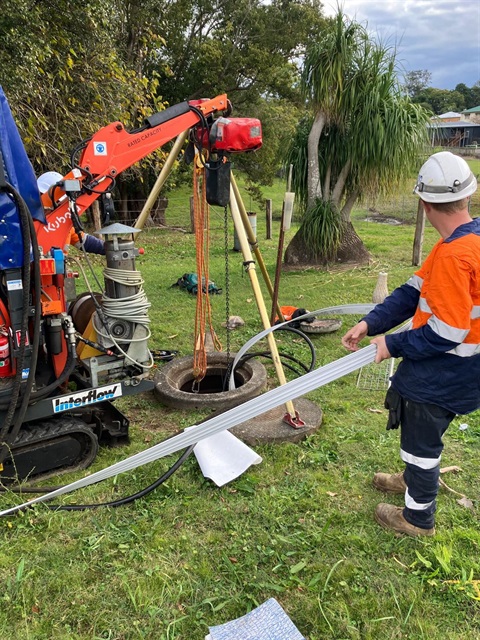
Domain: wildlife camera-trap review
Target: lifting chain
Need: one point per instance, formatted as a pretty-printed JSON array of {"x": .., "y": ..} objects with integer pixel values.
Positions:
[
  {"x": 228, "y": 369},
  {"x": 227, "y": 280}
]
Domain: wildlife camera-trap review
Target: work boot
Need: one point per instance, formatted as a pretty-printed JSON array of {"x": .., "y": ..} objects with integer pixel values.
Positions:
[
  {"x": 390, "y": 517},
  {"x": 390, "y": 482}
]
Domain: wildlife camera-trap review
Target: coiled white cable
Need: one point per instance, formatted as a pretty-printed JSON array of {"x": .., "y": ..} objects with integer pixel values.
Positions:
[
  {"x": 131, "y": 309},
  {"x": 140, "y": 316}
]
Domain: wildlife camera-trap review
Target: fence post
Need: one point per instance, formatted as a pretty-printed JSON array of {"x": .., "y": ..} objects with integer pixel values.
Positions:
[
  {"x": 419, "y": 231},
  {"x": 268, "y": 214},
  {"x": 97, "y": 222}
]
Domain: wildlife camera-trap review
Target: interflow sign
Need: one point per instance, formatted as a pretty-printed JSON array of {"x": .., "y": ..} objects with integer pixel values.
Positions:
[{"x": 84, "y": 398}]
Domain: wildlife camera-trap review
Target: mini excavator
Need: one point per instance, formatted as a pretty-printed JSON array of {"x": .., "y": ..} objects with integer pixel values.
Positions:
[{"x": 65, "y": 359}]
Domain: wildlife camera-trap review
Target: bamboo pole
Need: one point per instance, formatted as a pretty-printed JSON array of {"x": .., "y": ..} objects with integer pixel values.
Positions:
[
  {"x": 160, "y": 181},
  {"x": 250, "y": 268},
  {"x": 253, "y": 242}
]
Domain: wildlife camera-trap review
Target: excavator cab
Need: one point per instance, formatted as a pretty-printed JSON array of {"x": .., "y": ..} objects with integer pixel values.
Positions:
[{"x": 51, "y": 418}]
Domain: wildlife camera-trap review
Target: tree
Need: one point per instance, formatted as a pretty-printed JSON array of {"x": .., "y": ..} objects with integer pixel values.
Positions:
[
  {"x": 361, "y": 136},
  {"x": 471, "y": 95},
  {"x": 246, "y": 48},
  {"x": 416, "y": 81},
  {"x": 440, "y": 100},
  {"x": 65, "y": 77},
  {"x": 475, "y": 96},
  {"x": 70, "y": 68}
]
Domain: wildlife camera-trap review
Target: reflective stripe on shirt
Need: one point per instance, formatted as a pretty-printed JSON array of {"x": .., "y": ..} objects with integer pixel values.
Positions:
[
  {"x": 465, "y": 350},
  {"x": 424, "y": 306},
  {"x": 446, "y": 331},
  {"x": 416, "y": 282}
]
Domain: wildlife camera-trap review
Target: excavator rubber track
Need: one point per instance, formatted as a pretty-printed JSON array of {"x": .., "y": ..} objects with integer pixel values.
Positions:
[{"x": 48, "y": 448}]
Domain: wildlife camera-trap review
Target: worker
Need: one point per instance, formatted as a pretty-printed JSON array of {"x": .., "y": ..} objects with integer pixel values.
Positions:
[
  {"x": 91, "y": 244},
  {"x": 439, "y": 374}
]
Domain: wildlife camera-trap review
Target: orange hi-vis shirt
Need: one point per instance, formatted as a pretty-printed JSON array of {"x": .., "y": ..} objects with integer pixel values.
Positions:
[
  {"x": 449, "y": 284},
  {"x": 441, "y": 352}
]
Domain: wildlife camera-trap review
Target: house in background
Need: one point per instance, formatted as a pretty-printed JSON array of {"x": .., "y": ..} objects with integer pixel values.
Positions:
[
  {"x": 461, "y": 130},
  {"x": 450, "y": 116},
  {"x": 472, "y": 115}
]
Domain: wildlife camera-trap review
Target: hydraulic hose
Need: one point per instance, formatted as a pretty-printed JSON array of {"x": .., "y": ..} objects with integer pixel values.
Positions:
[
  {"x": 285, "y": 358},
  {"x": 27, "y": 391},
  {"x": 113, "y": 503},
  {"x": 128, "y": 499},
  {"x": 63, "y": 377},
  {"x": 28, "y": 239}
]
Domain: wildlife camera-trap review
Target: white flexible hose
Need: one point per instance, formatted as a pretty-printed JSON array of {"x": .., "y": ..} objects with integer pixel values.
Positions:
[
  {"x": 231, "y": 418},
  {"x": 227, "y": 420}
]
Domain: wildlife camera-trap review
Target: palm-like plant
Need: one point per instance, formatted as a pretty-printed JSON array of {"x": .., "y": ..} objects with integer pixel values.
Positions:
[{"x": 362, "y": 136}]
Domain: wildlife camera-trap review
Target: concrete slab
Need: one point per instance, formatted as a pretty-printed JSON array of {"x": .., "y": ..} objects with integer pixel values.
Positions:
[{"x": 269, "y": 426}]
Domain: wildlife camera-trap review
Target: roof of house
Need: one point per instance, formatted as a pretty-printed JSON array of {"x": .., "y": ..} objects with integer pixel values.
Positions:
[
  {"x": 453, "y": 125},
  {"x": 472, "y": 110},
  {"x": 450, "y": 114}
]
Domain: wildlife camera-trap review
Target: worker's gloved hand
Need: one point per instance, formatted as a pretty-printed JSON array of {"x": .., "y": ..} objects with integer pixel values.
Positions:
[
  {"x": 393, "y": 402},
  {"x": 91, "y": 244}
]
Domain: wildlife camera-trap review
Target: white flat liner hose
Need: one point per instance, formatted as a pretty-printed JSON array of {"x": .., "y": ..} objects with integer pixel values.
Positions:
[{"x": 231, "y": 418}]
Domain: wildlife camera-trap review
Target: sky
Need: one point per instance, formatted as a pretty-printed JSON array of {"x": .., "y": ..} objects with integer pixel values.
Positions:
[{"x": 440, "y": 36}]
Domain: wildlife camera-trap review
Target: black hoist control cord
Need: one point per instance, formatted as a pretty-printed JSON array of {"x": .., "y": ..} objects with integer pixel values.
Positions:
[{"x": 113, "y": 503}]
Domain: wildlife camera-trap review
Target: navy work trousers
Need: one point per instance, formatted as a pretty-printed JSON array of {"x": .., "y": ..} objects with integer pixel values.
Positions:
[{"x": 422, "y": 427}]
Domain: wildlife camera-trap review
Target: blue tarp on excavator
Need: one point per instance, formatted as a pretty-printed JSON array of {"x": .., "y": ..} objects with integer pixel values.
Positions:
[{"x": 19, "y": 173}]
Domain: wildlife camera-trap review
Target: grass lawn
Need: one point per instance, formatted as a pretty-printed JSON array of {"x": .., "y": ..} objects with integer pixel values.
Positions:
[{"x": 298, "y": 527}]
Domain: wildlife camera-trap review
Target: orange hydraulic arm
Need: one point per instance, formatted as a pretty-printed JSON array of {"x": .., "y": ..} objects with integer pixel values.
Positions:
[{"x": 109, "y": 152}]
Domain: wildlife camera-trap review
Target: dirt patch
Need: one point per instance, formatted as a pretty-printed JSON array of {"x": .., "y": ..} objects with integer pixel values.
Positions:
[{"x": 380, "y": 218}]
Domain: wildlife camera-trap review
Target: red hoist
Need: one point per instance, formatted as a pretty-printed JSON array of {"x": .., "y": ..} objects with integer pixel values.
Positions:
[{"x": 63, "y": 363}]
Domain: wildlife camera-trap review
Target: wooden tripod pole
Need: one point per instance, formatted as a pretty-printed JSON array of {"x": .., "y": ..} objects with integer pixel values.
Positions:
[
  {"x": 160, "y": 181},
  {"x": 252, "y": 274},
  {"x": 254, "y": 244}
]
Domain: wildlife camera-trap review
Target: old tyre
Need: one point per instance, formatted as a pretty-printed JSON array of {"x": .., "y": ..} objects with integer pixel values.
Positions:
[{"x": 174, "y": 383}]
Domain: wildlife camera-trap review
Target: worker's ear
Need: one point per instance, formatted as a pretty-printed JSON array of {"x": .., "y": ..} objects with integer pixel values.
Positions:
[{"x": 427, "y": 207}]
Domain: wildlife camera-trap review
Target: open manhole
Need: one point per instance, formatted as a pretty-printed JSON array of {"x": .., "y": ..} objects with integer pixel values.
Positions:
[{"x": 175, "y": 385}]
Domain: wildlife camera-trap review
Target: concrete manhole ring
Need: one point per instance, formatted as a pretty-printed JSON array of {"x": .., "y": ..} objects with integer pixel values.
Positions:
[{"x": 174, "y": 381}]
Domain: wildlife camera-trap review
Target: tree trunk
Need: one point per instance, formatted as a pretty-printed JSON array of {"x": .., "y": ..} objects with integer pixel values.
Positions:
[
  {"x": 314, "y": 187},
  {"x": 158, "y": 213},
  {"x": 350, "y": 251},
  {"x": 340, "y": 184}
]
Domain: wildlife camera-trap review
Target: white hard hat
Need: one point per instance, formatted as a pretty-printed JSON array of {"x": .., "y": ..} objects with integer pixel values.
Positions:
[
  {"x": 445, "y": 177},
  {"x": 46, "y": 180}
]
